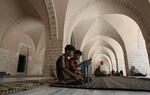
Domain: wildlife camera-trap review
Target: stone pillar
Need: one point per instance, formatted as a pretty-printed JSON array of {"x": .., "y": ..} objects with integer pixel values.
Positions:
[
  {"x": 53, "y": 51},
  {"x": 54, "y": 45}
]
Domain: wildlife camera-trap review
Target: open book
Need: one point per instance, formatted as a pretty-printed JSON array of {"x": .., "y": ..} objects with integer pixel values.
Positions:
[{"x": 84, "y": 64}]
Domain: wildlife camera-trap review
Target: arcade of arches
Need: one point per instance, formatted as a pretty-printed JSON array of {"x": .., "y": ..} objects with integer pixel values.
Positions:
[{"x": 116, "y": 32}]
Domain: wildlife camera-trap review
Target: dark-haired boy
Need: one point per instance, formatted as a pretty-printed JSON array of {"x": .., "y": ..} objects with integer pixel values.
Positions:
[
  {"x": 61, "y": 63},
  {"x": 72, "y": 65}
]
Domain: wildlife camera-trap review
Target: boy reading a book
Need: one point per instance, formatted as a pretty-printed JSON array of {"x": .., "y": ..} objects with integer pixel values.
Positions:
[{"x": 72, "y": 65}]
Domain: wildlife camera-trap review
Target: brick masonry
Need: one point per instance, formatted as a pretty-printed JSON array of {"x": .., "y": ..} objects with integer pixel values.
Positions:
[
  {"x": 53, "y": 51},
  {"x": 9, "y": 62},
  {"x": 54, "y": 46}
]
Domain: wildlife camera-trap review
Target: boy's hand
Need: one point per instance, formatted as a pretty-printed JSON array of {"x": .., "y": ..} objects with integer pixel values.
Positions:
[{"x": 78, "y": 77}]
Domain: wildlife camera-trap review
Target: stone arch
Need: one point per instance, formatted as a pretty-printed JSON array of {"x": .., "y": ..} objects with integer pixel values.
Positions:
[
  {"x": 19, "y": 25},
  {"x": 54, "y": 44},
  {"x": 107, "y": 34},
  {"x": 124, "y": 7},
  {"x": 106, "y": 51},
  {"x": 110, "y": 43},
  {"x": 52, "y": 19},
  {"x": 121, "y": 4},
  {"x": 109, "y": 31},
  {"x": 42, "y": 11}
]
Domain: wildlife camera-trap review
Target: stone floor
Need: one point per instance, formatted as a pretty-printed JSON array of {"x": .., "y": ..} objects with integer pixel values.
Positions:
[
  {"x": 98, "y": 82},
  {"x": 46, "y": 90}
]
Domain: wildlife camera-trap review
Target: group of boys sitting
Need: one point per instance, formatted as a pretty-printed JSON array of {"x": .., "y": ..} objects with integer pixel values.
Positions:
[{"x": 67, "y": 66}]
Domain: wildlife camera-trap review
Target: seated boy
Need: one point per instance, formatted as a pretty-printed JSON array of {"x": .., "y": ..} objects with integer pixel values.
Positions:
[
  {"x": 72, "y": 65},
  {"x": 61, "y": 64}
]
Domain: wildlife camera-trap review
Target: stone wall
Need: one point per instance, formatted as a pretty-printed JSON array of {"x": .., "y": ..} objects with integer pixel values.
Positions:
[
  {"x": 53, "y": 51},
  {"x": 9, "y": 63},
  {"x": 140, "y": 61},
  {"x": 35, "y": 66}
]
